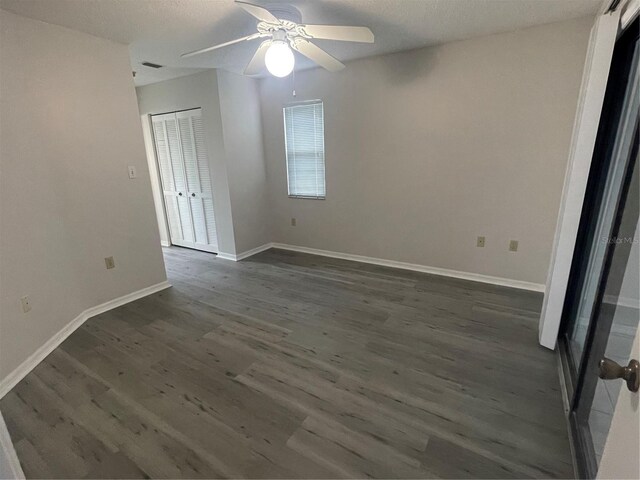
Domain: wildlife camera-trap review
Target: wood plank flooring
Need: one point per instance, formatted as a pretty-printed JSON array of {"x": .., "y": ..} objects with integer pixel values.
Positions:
[{"x": 288, "y": 365}]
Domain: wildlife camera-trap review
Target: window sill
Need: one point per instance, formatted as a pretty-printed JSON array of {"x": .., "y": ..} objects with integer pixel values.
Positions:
[{"x": 306, "y": 197}]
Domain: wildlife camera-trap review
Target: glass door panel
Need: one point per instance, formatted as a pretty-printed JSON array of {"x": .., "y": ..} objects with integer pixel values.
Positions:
[
  {"x": 619, "y": 308},
  {"x": 604, "y": 217}
]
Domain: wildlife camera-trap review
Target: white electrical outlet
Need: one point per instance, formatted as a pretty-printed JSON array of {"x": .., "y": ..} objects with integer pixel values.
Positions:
[
  {"x": 110, "y": 263},
  {"x": 480, "y": 242},
  {"x": 513, "y": 246},
  {"x": 26, "y": 304},
  {"x": 132, "y": 172}
]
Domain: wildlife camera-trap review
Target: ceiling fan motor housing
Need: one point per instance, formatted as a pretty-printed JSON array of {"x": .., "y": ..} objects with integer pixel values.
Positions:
[{"x": 285, "y": 12}]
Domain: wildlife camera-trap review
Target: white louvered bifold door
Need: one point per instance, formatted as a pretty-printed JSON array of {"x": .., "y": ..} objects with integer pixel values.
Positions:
[
  {"x": 186, "y": 181},
  {"x": 198, "y": 179},
  {"x": 172, "y": 174}
]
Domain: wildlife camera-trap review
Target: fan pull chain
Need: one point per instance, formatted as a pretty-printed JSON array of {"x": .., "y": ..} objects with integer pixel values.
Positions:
[{"x": 293, "y": 93}]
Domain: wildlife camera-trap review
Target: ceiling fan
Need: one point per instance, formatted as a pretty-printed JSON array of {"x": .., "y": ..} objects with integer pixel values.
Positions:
[{"x": 285, "y": 32}]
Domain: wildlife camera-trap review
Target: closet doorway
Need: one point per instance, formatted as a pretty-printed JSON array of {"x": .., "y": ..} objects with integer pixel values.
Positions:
[{"x": 186, "y": 181}]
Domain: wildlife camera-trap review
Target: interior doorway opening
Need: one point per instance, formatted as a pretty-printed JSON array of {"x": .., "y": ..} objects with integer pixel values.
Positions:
[{"x": 181, "y": 179}]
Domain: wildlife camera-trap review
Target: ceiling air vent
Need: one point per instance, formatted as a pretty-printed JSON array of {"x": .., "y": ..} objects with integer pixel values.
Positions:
[{"x": 152, "y": 65}]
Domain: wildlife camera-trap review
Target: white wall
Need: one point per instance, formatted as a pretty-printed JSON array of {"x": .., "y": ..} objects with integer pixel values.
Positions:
[
  {"x": 199, "y": 91},
  {"x": 242, "y": 128},
  {"x": 69, "y": 127},
  {"x": 425, "y": 150}
]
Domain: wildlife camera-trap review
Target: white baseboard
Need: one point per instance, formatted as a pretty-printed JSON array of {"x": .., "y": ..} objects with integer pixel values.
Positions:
[
  {"x": 164, "y": 243},
  {"x": 475, "y": 277},
  {"x": 9, "y": 463},
  {"x": 227, "y": 256},
  {"x": 254, "y": 251},
  {"x": 50, "y": 345},
  {"x": 245, "y": 254}
]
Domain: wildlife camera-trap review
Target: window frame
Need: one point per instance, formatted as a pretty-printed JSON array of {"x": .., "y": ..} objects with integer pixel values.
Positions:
[{"x": 286, "y": 152}]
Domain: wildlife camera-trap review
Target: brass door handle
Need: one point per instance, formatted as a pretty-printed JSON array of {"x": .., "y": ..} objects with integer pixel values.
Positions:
[{"x": 609, "y": 370}]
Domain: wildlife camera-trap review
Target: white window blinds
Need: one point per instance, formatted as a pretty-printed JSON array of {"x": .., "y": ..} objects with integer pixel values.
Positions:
[{"x": 304, "y": 141}]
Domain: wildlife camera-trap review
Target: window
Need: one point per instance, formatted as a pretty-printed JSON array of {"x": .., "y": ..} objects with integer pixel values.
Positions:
[{"x": 304, "y": 142}]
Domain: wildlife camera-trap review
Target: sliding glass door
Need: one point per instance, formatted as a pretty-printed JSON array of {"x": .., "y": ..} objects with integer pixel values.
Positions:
[{"x": 601, "y": 312}]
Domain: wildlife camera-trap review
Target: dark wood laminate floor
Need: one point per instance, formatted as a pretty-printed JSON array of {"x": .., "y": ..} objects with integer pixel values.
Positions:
[{"x": 298, "y": 366}]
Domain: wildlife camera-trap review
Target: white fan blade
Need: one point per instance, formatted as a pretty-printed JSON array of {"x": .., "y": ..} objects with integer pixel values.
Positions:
[
  {"x": 260, "y": 13},
  {"x": 215, "y": 47},
  {"x": 257, "y": 61},
  {"x": 343, "y": 34},
  {"x": 316, "y": 54}
]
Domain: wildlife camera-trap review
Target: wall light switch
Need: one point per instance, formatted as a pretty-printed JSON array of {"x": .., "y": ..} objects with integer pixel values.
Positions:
[
  {"x": 293, "y": 222},
  {"x": 110, "y": 263},
  {"x": 26, "y": 304},
  {"x": 513, "y": 246},
  {"x": 132, "y": 172},
  {"x": 480, "y": 242}
]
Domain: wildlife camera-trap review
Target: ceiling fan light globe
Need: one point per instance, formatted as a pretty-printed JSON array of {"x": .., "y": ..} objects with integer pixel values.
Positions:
[{"x": 279, "y": 59}]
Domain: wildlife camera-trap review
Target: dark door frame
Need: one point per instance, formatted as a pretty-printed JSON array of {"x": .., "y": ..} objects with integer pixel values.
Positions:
[{"x": 581, "y": 374}]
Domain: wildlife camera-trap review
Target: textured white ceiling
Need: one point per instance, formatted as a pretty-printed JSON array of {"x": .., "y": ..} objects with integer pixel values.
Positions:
[{"x": 160, "y": 30}]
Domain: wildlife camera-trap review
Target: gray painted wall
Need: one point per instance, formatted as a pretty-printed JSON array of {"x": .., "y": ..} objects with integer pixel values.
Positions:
[
  {"x": 69, "y": 127},
  {"x": 242, "y": 128},
  {"x": 427, "y": 149}
]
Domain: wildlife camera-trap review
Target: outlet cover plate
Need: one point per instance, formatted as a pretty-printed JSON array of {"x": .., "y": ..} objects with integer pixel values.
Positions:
[
  {"x": 26, "y": 304},
  {"x": 513, "y": 246},
  {"x": 110, "y": 263}
]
